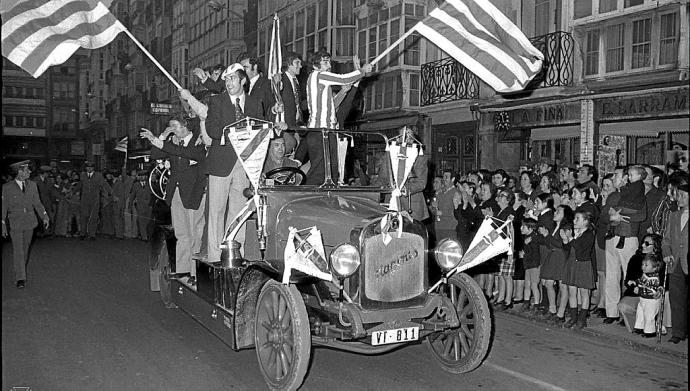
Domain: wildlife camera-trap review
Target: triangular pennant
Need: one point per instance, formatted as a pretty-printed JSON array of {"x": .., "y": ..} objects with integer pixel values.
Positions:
[
  {"x": 342, "y": 151},
  {"x": 488, "y": 242},
  {"x": 402, "y": 158},
  {"x": 305, "y": 253},
  {"x": 251, "y": 145}
]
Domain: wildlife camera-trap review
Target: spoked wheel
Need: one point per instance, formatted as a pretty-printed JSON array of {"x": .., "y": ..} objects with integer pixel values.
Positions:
[
  {"x": 462, "y": 349},
  {"x": 282, "y": 337}
]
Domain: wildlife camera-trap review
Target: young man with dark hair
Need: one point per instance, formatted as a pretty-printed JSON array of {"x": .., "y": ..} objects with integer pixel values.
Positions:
[
  {"x": 322, "y": 112},
  {"x": 185, "y": 189},
  {"x": 259, "y": 86}
]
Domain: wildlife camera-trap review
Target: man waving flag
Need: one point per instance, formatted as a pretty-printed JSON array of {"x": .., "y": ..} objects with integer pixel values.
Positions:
[
  {"x": 39, "y": 33},
  {"x": 480, "y": 37}
]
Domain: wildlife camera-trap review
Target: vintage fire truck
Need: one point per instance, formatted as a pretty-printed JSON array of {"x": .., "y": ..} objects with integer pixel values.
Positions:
[{"x": 333, "y": 266}]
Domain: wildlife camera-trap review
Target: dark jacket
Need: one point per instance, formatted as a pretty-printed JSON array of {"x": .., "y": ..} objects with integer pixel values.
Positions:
[
  {"x": 262, "y": 91},
  {"x": 290, "y": 107},
  {"x": 221, "y": 158},
  {"x": 187, "y": 171},
  {"x": 583, "y": 245},
  {"x": 531, "y": 258}
]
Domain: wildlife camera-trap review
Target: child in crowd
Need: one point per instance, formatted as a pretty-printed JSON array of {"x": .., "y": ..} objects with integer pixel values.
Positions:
[
  {"x": 505, "y": 200},
  {"x": 580, "y": 275},
  {"x": 650, "y": 288},
  {"x": 519, "y": 276},
  {"x": 552, "y": 264},
  {"x": 530, "y": 261}
]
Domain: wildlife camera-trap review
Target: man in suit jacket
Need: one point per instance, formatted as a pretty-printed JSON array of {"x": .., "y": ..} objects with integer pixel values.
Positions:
[
  {"x": 20, "y": 203},
  {"x": 91, "y": 185},
  {"x": 259, "y": 85},
  {"x": 290, "y": 93},
  {"x": 140, "y": 198},
  {"x": 675, "y": 251},
  {"x": 185, "y": 189},
  {"x": 226, "y": 179}
]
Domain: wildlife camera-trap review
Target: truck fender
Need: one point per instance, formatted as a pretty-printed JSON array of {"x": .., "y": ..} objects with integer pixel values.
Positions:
[{"x": 251, "y": 282}]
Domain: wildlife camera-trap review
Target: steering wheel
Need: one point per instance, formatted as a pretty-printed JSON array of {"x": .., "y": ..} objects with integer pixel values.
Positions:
[{"x": 287, "y": 175}]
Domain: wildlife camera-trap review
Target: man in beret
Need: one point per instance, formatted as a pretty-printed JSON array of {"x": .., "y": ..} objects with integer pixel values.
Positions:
[
  {"x": 91, "y": 184},
  {"x": 20, "y": 203}
]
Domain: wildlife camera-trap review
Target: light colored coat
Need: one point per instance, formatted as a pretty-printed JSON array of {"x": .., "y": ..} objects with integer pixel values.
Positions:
[{"x": 18, "y": 207}]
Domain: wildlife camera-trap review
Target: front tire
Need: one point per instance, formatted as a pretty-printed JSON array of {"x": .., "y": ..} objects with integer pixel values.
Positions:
[
  {"x": 281, "y": 336},
  {"x": 462, "y": 349}
]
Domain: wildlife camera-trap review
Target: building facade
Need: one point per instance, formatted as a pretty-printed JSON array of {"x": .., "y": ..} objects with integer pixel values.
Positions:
[
  {"x": 613, "y": 90},
  {"x": 40, "y": 117}
]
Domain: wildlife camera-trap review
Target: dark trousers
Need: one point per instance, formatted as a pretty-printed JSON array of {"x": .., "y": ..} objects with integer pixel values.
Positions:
[
  {"x": 678, "y": 295},
  {"x": 21, "y": 240}
]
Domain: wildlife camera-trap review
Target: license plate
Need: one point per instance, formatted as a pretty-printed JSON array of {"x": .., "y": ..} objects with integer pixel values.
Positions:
[{"x": 395, "y": 335}]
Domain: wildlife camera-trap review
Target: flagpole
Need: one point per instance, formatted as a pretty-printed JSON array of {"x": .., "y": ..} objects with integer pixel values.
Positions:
[
  {"x": 165, "y": 72},
  {"x": 393, "y": 45}
]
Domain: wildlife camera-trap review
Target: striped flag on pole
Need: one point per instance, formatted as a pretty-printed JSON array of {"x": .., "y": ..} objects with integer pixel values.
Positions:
[
  {"x": 39, "y": 33},
  {"x": 122, "y": 145},
  {"x": 480, "y": 37},
  {"x": 275, "y": 62}
]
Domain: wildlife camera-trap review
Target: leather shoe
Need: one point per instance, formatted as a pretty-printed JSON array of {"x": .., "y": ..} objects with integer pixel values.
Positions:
[
  {"x": 21, "y": 284},
  {"x": 671, "y": 340},
  {"x": 649, "y": 335},
  {"x": 610, "y": 320}
]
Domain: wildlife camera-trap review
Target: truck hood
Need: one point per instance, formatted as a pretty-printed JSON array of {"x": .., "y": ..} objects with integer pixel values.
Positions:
[{"x": 334, "y": 214}]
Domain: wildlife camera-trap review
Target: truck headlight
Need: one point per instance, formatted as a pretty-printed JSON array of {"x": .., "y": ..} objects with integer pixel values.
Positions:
[
  {"x": 345, "y": 260},
  {"x": 448, "y": 254}
]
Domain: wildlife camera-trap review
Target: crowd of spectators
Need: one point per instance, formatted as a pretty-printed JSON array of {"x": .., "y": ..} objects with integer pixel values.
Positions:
[
  {"x": 83, "y": 202},
  {"x": 612, "y": 245}
]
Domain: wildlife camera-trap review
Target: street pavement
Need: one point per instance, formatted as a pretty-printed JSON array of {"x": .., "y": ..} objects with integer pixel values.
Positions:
[{"x": 88, "y": 321}]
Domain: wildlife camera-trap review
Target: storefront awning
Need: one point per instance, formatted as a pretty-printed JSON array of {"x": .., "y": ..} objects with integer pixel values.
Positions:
[
  {"x": 650, "y": 128},
  {"x": 555, "y": 133}
]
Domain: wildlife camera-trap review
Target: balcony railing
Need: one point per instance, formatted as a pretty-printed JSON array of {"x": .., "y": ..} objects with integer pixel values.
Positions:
[
  {"x": 558, "y": 48},
  {"x": 447, "y": 80}
]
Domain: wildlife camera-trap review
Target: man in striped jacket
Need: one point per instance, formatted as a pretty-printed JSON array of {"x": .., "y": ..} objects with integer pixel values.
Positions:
[{"x": 322, "y": 111}]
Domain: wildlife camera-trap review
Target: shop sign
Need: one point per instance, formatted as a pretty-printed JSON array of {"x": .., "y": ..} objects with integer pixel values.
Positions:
[
  {"x": 161, "y": 108},
  {"x": 546, "y": 115},
  {"x": 77, "y": 148},
  {"x": 648, "y": 105}
]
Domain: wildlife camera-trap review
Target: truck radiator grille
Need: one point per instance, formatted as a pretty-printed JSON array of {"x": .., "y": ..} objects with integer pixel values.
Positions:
[{"x": 394, "y": 272}]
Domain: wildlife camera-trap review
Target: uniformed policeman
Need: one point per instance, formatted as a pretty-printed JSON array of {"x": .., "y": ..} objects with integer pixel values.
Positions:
[{"x": 19, "y": 201}]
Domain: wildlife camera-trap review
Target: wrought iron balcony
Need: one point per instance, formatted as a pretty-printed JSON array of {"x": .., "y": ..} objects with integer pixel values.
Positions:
[
  {"x": 447, "y": 80},
  {"x": 558, "y": 48}
]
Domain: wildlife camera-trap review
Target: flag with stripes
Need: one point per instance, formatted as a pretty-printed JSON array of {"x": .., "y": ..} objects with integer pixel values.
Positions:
[
  {"x": 122, "y": 145},
  {"x": 39, "y": 33},
  {"x": 485, "y": 41},
  {"x": 275, "y": 62},
  {"x": 251, "y": 145}
]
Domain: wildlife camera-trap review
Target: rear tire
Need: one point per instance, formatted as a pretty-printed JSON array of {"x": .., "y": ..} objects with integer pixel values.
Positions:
[
  {"x": 462, "y": 349},
  {"x": 282, "y": 336}
]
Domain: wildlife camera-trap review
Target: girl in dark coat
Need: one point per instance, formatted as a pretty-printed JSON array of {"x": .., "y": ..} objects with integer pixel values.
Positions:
[{"x": 580, "y": 276}]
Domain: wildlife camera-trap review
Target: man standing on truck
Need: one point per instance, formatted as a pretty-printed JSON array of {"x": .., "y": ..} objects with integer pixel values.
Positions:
[{"x": 322, "y": 113}]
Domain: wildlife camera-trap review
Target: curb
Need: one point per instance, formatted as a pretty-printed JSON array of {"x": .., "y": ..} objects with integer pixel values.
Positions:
[{"x": 590, "y": 331}]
